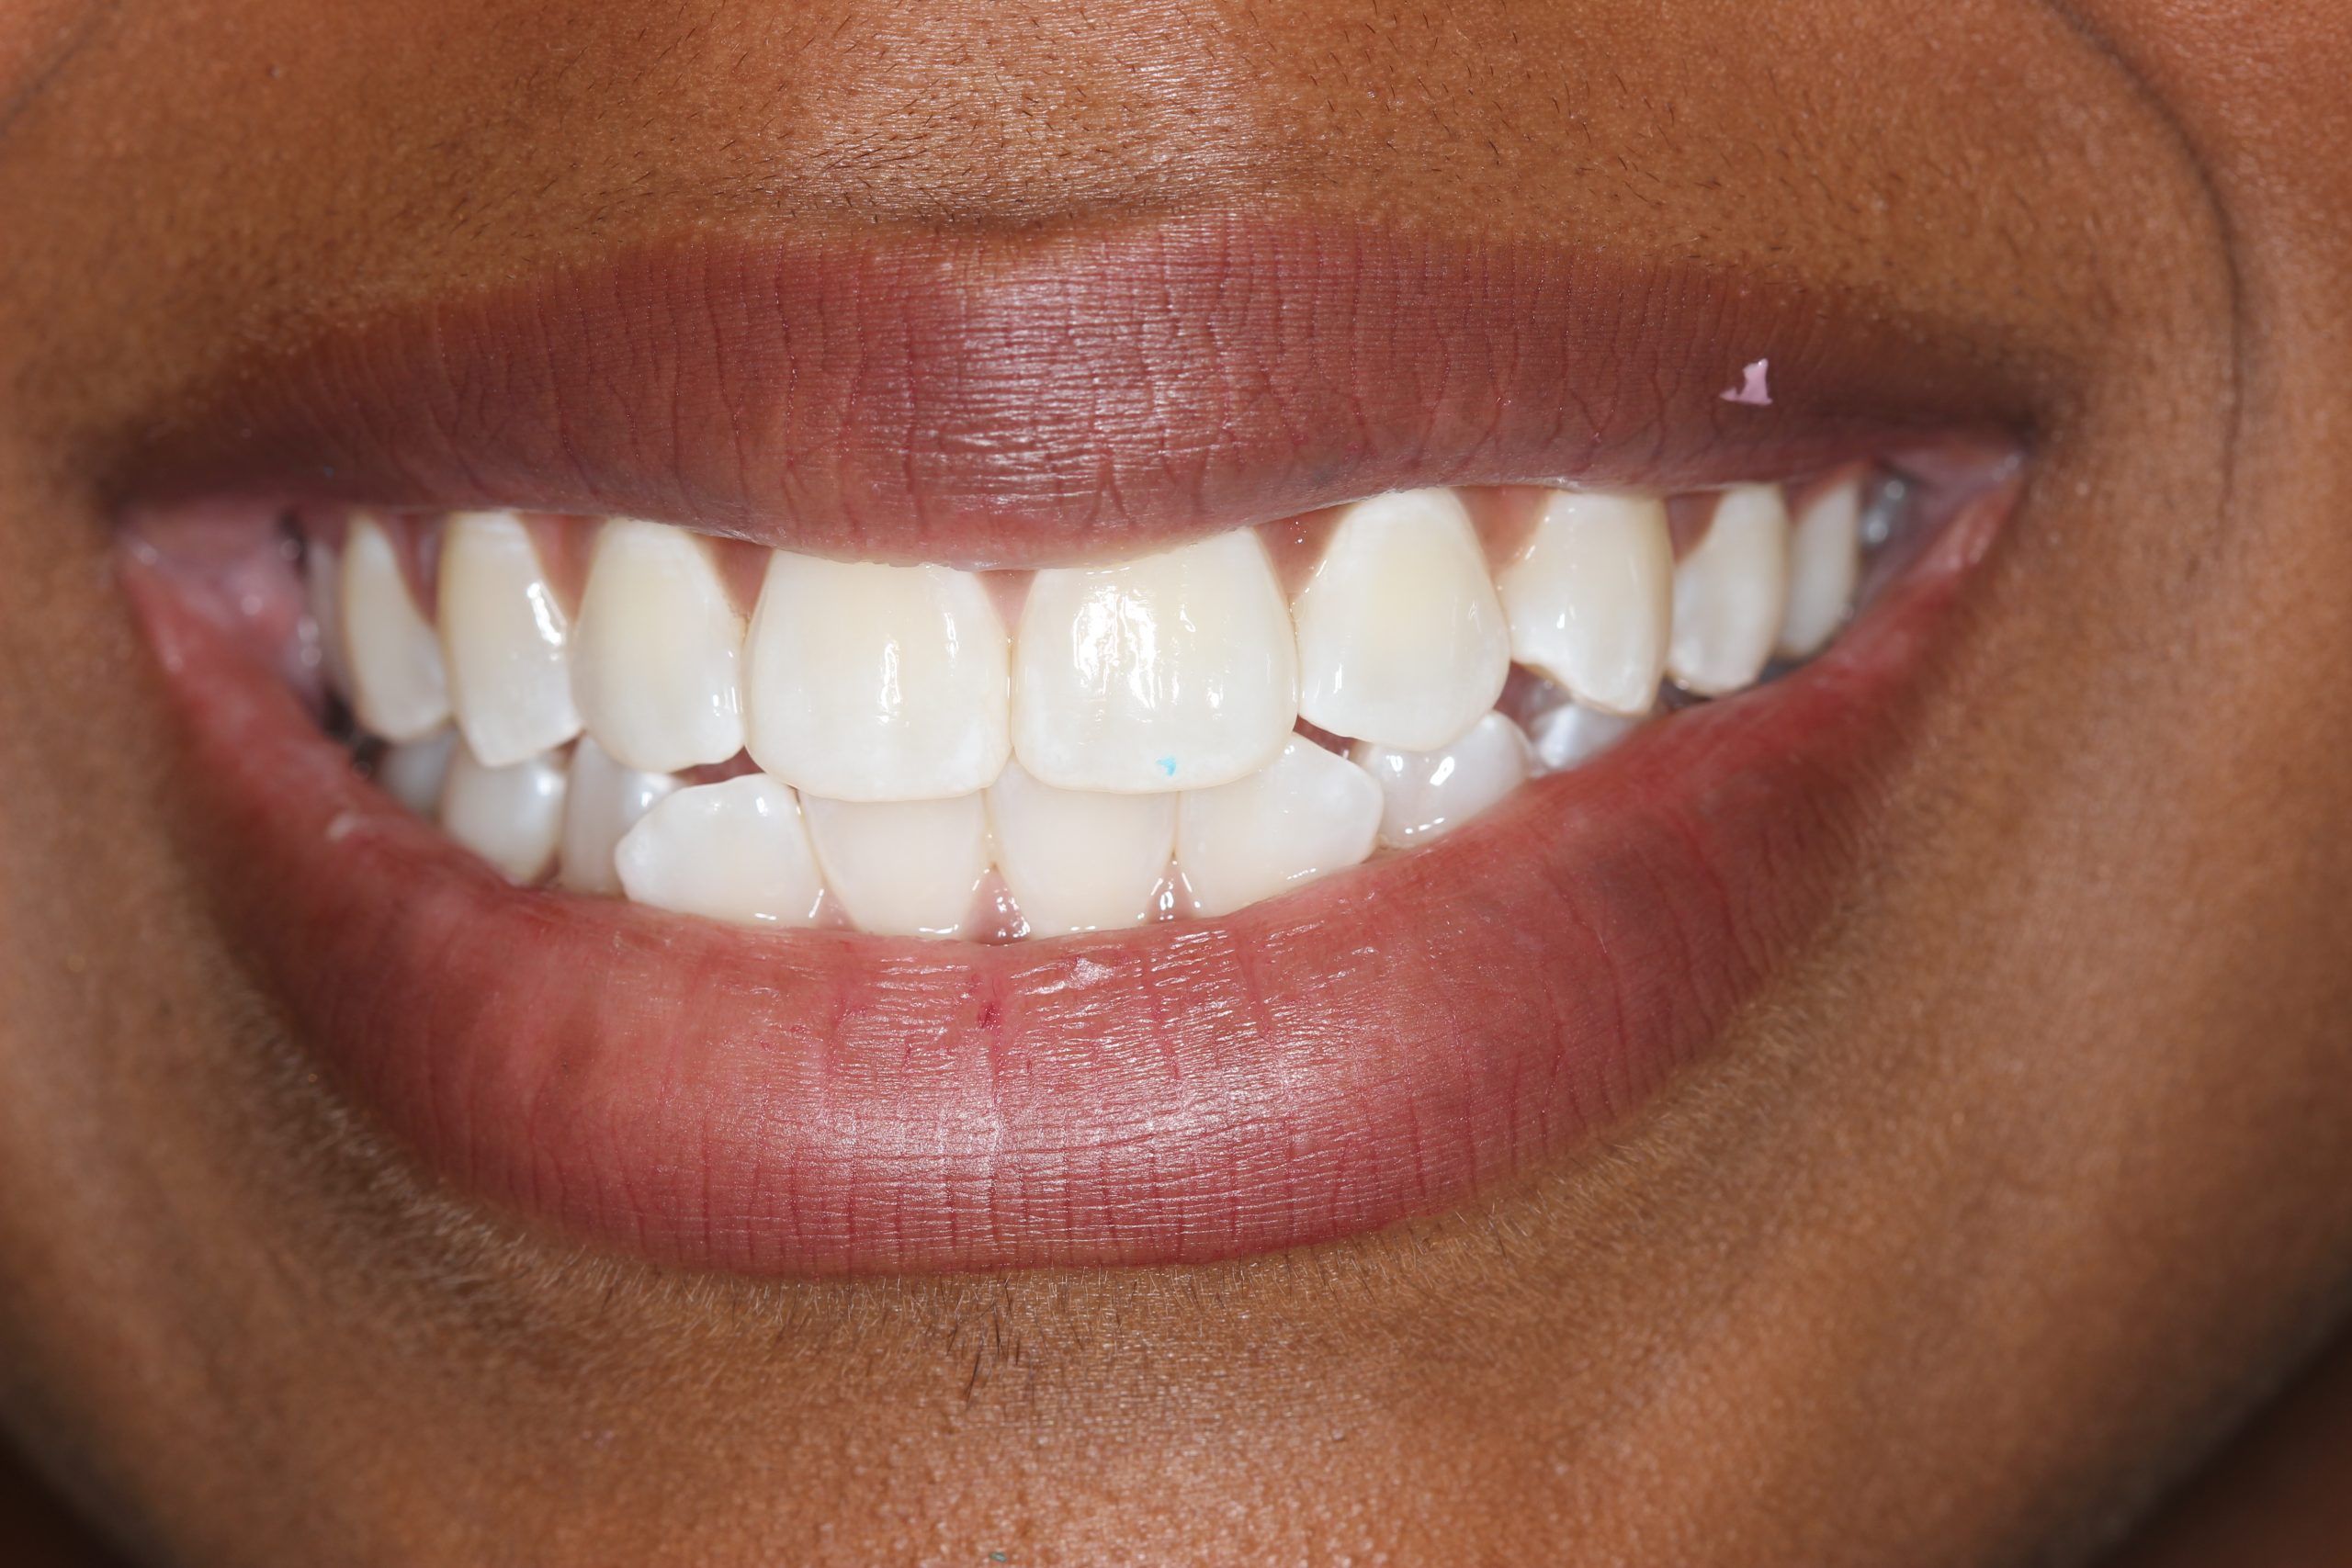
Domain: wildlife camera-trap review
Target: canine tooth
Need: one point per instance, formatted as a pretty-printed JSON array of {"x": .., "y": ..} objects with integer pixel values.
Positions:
[
  {"x": 1401, "y": 640},
  {"x": 506, "y": 639},
  {"x": 871, "y": 682},
  {"x": 1176, "y": 670},
  {"x": 415, "y": 772},
  {"x": 1079, "y": 860},
  {"x": 322, "y": 580},
  {"x": 1825, "y": 563},
  {"x": 735, "y": 851},
  {"x": 655, "y": 653},
  {"x": 1592, "y": 600},
  {"x": 1571, "y": 735},
  {"x": 607, "y": 798},
  {"x": 511, "y": 815},
  {"x": 1731, "y": 593},
  {"x": 905, "y": 867},
  {"x": 1305, "y": 814},
  {"x": 1425, "y": 793},
  {"x": 399, "y": 689}
]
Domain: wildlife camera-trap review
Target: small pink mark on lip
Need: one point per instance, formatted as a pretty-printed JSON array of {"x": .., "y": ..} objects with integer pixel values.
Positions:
[{"x": 1752, "y": 389}]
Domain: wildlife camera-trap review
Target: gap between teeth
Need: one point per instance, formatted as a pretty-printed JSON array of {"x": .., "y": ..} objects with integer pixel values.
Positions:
[{"x": 924, "y": 750}]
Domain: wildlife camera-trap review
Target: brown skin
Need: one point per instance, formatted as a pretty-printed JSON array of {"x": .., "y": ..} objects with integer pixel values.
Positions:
[{"x": 2000, "y": 1212}]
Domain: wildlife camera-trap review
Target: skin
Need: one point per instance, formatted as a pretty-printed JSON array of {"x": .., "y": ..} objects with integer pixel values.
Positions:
[{"x": 2001, "y": 1212}]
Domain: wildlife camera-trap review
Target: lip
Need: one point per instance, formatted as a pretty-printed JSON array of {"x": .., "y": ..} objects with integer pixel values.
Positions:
[{"x": 1376, "y": 1047}]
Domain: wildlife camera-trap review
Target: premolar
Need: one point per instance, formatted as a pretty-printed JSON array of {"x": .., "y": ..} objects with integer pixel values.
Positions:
[
  {"x": 1825, "y": 565},
  {"x": 506, "y": 639},
  {"x": 511, "y": 815},
  {"x": 400, "y": 689},
  {"x": 1731, "y": 593}
]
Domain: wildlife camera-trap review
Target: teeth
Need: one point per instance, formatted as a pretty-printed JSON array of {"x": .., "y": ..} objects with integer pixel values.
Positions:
[
  {"x": 1305, "y": 814},
  {"x": 322, "y": 578},
  {"x": 398, "y": 688},
  {"x": 654, "y": 656},
  {"x": 1825, "y": 563},
  {"x": 1571, "y": 735},
  {"x": 1401, "y": 640},
  {"x": 1175, "y": 672},
  {"x": 507, "y": 640},
  {"x": 902, "y": 868},
  {"x": 1425, "y": 793},
  {"x": 1731, "y": 593},
  {"x": 877, "y": 682},
  {"x": 510, "y": 816},
  {"x": 1079, "y": 860},
  {"x": 605, "y": 800},
  {"x": 733, "y": 851},
  {"x": 414, "y": 771},
  {"x": 1592, "y": 600}
]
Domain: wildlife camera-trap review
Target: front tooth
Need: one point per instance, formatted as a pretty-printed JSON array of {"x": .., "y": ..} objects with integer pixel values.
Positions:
[
  {"x": 605, "y": 800},
  {"x": 735, "y": 851},
  {"x": 1591, "y": 599},
  {"x": 903, "y": 867},
  {"x": 1825, "y": 563},
  {"x": 323, "y": 577},
  {"x": 510, "y": 816},
  {"x": 1176, "y": 670},
  {"x": 654, "y": 655},
  {"x": 507, "y": 640},
  {"x": 1305, "y": 814},
  {"x": 1079, "y": 860},
  {"x": 415, "y": 771},
  {"x": 398, "y": 687},
  {"x": 1426, "y": 794},
  {"x": 1401, "y": 640},
  {"x": 871, "y": 682},
  {"x": 1731, "y": 593}
]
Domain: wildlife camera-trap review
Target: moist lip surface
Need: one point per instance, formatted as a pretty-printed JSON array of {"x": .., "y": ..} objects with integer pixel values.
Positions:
[{"x": 1376, "y": 1047}]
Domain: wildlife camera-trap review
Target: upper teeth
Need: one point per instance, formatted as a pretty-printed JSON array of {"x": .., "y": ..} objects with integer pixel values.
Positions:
[{"x": 1129, "y": 748}]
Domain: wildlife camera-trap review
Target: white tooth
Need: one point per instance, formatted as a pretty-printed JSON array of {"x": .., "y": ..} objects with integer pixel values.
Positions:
[
  {"x": 323, "y": 576},
  {"x": 511, "y": 817},
  {"x": 736, "y": 851},
  {"x": 605, "y": 800},
  {"x": 1079, "y": 860},
  {"x": 655, "y": 651},
  {"x": 874, "y": 683},
  {"x": 1731, "y": 592},
  {"x": 1176, "y": 670},
  {"x": 1825, "y": 563},
  {"x": 1426, "y": 794},
  {"x": 903, "y": 867},
  {"x": 1401, "y": 640},
  {"x": 506, "y": 639},
  {"x": 1591, "y": 599},
  {"x": 398, "y": 687},
  {"x": 1572, "y": 734},
  {"x": 414, "y": 771},
  {"x": 1305, "y": 814}
]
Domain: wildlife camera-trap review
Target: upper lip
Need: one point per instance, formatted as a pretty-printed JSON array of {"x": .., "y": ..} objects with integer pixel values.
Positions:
[{"x": 1000, "y": 400}]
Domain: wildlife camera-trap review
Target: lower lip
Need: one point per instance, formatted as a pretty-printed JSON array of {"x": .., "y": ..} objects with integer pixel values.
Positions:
[{"x": 1377, "y": 1046}]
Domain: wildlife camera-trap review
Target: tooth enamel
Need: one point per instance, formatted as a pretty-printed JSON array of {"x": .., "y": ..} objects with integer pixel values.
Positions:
[
  {"x": 1079, "y": 860},
  {"x": 398, "y": 688},
  {"x": 1305, "y": 814},
  {"x": 1401, "y": 640},
  {"x": 1590, "y": 601},
  {"x": 1825, "y": 563},
  {"x": 870, "y": 683},
  {"x": 1174, "y": 671},
  {"x": 734, "y": 851},
  {"x": 1426, "y": 794},
  {"x": 1571, "y": 734},
  {"x": 507, "y": 640},
  {"x": 510, "y": 816},
  {"x": 654, "y": 655},
  {"x": 902, "y": 868},
  {"x": 415, "y": 772},
  {"x": 1731, "y": 593},
  {"x": 322, "y": 580},
  {"x": 604, "y": 801}
]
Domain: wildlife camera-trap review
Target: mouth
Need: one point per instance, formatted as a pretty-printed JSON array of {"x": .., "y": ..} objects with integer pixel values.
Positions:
[{"x": 1123, "y": 752}]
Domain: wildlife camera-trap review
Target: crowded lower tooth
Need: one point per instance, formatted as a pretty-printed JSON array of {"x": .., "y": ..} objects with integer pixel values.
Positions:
[
  {"x": 605, "y": 799},
  {"x": 1305, "y": 814},
  {"x": 1176, "y": 670},
  {"x": 902, "y": 868},
  {"x": 400, "y": 690},
  {"x": 655, "y": 651},
  {"x": 507, "y": 640},
  {"x": 1425, "y": 793},
  {"x": 1079, "y": 860},
  {"x": 414, "y": 771},
  {"x": 736, "y": 851},
  {"x": 1570, "y": 734},
  {"x": 511, "y": 815},
  {"x": 1731, "y": 593},
  {"x": 1401, "y": 639},
  {"x": 1825, "y": 564},
  {"x": 1592, "y": 600}
]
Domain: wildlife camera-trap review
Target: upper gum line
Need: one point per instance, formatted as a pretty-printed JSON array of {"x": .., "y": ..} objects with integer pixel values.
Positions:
[{"x": 1098, "y": 744}]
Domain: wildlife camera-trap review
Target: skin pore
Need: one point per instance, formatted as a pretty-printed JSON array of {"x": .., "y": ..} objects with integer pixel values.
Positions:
[{"x": 2000, "y": 1209}]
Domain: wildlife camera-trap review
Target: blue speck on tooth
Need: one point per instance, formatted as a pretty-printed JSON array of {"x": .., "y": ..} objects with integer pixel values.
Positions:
[{"x": 1168, "y": 766}]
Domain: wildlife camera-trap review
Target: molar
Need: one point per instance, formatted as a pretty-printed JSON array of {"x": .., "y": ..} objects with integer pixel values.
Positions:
[
  {"x": 400, "y": 689},
  {"x": 736, "y": 851},
  {"x": 654, "y": 656},
  {"x": 1305, "y": 814},
  {"x": 506, "y": 639}
]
